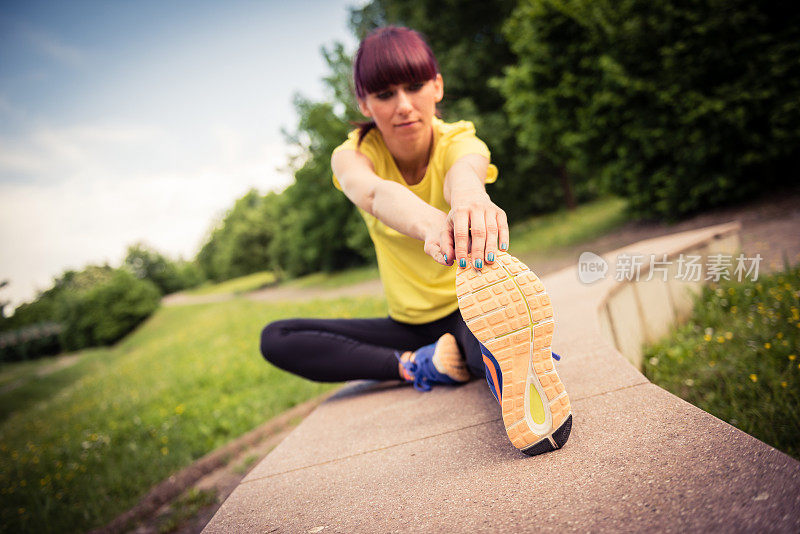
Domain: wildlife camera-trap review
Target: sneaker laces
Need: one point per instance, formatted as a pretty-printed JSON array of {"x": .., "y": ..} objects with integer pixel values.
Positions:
[
  {"x": 422, "y": 372},
  {"x": 421, "y": 366}
]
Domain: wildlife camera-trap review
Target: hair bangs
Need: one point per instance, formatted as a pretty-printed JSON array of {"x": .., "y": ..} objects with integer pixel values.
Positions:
[{"x": 391, "y": 56}]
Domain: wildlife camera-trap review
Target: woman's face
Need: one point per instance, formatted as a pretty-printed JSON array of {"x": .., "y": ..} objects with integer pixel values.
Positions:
[{"x": 406, "y": 110}]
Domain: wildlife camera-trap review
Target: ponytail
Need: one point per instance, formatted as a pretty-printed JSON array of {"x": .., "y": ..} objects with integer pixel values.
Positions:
[{"x": 363, "y": 130}]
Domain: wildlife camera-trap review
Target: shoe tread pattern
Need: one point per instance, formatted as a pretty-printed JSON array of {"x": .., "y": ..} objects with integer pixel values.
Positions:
[{"x": 506, "y": 307}]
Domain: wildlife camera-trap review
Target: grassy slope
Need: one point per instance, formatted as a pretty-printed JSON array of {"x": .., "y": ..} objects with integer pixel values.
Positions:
[
  {"x": 243, "y": 284},
  {"x": 82, "y": 444},
  {"x": 737, "y": 358},
  {"x": 566, "y": 228},
  {"x": 337, "y": 279}
]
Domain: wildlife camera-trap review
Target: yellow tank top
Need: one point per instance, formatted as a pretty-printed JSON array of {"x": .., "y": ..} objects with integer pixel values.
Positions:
[{"x": 418, "y": 290}]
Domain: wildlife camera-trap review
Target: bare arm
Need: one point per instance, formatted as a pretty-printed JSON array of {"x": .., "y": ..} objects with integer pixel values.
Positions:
[
  {"x": 473, "y": 216},
  {"x": 390, "y": 202}
]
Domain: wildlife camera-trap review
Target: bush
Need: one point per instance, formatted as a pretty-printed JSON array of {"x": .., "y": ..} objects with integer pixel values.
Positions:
[
  {"x": 104, "y": 313},
  {"x": 33, "y": 341},
  {"x": 169, "y": 276},
  {"x": 676, "y": 106}
]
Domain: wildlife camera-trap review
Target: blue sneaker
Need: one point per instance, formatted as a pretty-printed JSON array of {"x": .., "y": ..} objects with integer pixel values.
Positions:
[
  {"x": 506, "y": 307},
  {"x": 437, "y": 363}
]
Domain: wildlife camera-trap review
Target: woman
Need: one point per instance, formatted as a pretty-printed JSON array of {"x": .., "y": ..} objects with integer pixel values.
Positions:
[{"x": 419, "y": 185}]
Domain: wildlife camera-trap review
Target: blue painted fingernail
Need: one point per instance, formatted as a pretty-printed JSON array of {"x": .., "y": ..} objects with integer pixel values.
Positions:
[
  {"x": 503, "y": 246},
  {"x": 478, "y": 264},
  {"x": 490, "y": 256},
  {"x": 445, "y": 258},
  {"x": 462, "y": 263}
]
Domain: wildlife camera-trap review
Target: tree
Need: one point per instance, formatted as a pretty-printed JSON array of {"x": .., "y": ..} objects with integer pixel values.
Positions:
[
  {"x": 240, "y": 243},
  {"x": 148, "y": 264},
  {"x": 320, "y": 228},
  {"x": 676, "y": 106}
]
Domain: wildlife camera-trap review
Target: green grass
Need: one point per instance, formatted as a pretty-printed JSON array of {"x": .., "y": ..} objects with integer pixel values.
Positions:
[
  {"x": 564, "y": 228},
  {"x": 334, "y": 280},
  {"x": 243, "y": 284},
  {"x": 22, "y": 371},
  {"x": 737, "y": 358},
  {"x": 84, "y": 443}
]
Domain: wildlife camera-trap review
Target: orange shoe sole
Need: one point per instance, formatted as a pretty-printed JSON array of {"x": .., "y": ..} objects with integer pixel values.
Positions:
[{"x": 506, "y": 307}]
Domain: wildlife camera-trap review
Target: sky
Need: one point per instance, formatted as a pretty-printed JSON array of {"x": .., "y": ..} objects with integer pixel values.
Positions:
[{"x": 125, "y": 122}]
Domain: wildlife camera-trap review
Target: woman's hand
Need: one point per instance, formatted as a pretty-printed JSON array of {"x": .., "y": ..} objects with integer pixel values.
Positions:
[
  {"x": 476, "y": 227},
  {"x": 439, "y": 241}
]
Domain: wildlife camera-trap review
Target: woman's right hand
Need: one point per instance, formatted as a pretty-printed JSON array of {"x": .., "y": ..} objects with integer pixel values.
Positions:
[{"x": 439, "y": 240}]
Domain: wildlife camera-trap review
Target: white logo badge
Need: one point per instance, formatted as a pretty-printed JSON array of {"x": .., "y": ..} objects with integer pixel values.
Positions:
[{"x": 591, "y": 267}]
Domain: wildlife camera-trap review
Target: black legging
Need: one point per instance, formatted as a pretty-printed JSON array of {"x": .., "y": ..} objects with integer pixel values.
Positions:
[{"x": 335, "y": 350}]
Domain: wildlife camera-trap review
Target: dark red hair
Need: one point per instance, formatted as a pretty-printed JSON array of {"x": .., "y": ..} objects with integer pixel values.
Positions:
[{"x": 391, "y": 56}]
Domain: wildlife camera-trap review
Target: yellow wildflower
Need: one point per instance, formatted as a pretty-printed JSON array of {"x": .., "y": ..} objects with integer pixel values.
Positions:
[
  {"x": 720, "y": 339},
  {"x": 780, "y": 335},
  {"x": 767, "y": 345},
  {"x": 728, "y": 335},
  {"x": 754, "y": 378},
  {"x": 792, "y": 357},
  {"x": 164, "y": 451},
  {"x": 707, "y": 337},
  {"x": 784, "y": 384}
]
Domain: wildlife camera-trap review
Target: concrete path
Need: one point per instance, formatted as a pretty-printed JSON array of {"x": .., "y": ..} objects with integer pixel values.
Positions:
[{"x": 381, "y": 457}]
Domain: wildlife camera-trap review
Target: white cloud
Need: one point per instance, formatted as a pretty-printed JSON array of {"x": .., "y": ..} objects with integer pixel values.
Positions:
[{"x": 101, "y": 188}]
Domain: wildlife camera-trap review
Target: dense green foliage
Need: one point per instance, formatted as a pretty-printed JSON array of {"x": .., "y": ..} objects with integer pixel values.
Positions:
[
  {"x": 106, "y": 311},
  {"x": 81, "y": 444},
  {"x": 737, "y": 358},
  {"x": 676, "y": 106},
  {"x": 240, "y": 243},
  {"x": 320, "y": 229},
  {"x": 95, "y": 306},
  {"x": 169, "y": 276}
]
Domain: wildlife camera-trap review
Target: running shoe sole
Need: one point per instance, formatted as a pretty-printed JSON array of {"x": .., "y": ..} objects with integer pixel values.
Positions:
[{"x": 506, "y": 307}]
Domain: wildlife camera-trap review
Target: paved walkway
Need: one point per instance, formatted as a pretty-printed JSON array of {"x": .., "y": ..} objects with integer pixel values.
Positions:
[{"x": 380, "y": 457}]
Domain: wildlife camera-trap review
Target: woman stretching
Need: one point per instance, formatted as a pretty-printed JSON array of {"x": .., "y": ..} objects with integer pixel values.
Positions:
[{"x": 441, "y": 249}]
